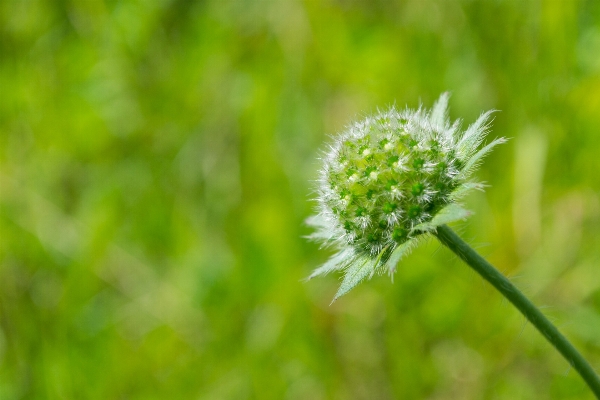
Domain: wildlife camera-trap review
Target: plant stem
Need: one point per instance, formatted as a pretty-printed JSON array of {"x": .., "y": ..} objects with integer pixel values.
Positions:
[{"x": 518, "y": 299}]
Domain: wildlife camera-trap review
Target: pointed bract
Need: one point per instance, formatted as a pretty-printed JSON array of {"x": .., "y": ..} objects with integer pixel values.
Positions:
[
  {"x": 439, "y": 112},
  {"x": 355, "y": 273},
  {"x": 336, "y": 262},
  {"x": 474, "y": 135},
  {"x": 451, "y": 213},
  {"x": 474, "y": 161},
  {"x": 400, "y": 252}
]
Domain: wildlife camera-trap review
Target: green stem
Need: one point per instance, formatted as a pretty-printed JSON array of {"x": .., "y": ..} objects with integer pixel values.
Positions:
[{"x": 526, "y": 307}]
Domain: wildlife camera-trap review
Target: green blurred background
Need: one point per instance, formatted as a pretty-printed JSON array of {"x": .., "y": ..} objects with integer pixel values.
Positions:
[{"x": 157, "y": 161}]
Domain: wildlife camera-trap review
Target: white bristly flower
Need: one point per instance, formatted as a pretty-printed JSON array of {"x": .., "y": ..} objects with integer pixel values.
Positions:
[{"x": 388, "y": 180}]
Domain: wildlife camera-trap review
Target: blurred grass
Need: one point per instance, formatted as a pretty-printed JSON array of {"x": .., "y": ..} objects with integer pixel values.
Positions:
[{"x": 155, "y": 172}]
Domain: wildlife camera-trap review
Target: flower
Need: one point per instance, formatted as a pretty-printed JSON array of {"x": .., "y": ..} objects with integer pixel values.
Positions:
[{"x": 390, "y": 179}]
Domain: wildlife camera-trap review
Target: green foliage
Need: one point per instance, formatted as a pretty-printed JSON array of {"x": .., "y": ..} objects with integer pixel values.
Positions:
[{"x": 154, "y": 167}]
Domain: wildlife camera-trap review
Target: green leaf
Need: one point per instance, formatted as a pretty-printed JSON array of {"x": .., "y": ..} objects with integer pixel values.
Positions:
[
  {"x": 316, "y": 221},
  {"x": 464, "y": 189},
  {"x": 322, "y": 235},
  {"x": 323, "y": 231},
  {"x": 356, "y": 272},
  {"x": 336, "y": 262},
  {"x": 400, "y": 252},
  {"x": 474, "y": 161},
  {"x": 439, "y": 112},
  {"x": 474, "y": 134},
  {"x": 451, "y": 213}
]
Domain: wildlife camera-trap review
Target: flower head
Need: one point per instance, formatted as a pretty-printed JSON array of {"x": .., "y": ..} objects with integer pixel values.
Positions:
[{"x": 388, "y": 180}]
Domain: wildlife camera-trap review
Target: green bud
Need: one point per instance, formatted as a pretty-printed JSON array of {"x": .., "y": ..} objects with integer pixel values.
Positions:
[{"x": 386, "y": 178}]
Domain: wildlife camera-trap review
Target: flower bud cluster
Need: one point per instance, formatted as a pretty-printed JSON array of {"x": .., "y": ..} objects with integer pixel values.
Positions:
[
  {"x": 392, "y": 177},
  {"x": 384, "y": 176}
]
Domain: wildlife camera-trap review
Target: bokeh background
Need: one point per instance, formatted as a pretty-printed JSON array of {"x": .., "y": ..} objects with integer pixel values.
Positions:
[{"x": 157, "y": 161}]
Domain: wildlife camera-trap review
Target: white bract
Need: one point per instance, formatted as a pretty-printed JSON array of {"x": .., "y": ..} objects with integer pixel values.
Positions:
[{"x": 388, "y": 180}]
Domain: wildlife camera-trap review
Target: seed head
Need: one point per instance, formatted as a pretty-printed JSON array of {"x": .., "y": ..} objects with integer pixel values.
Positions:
[{"x": 388, "y": 180}]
